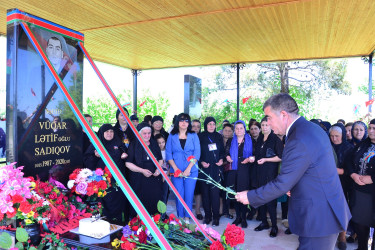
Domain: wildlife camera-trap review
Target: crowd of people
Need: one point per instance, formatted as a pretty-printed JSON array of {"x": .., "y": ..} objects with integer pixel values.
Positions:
[{"x": 240, "y": 156}]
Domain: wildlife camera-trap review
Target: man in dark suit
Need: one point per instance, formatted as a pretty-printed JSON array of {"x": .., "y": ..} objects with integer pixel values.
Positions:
[{"x": 318, "y": 210}]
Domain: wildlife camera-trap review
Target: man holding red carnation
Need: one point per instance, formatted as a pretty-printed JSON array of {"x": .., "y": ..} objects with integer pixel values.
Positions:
[{"x": 318, "y": 210}]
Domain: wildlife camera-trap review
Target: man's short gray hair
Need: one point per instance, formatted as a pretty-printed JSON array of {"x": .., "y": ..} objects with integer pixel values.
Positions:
[{"x": 282, "y": 102}]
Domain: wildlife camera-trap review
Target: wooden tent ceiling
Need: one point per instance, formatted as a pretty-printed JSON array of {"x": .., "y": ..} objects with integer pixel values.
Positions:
[{"x": 144, "y": 34}]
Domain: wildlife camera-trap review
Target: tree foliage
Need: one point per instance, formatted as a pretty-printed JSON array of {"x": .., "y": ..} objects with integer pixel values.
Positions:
[
  {"x": 303, "y": 80},
  {"x": 103, "y": 109}
]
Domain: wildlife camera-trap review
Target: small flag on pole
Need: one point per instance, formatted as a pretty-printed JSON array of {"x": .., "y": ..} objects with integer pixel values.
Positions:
[
  {"x": 143, "y": 103},
  {"x": 244, "y": 100}
]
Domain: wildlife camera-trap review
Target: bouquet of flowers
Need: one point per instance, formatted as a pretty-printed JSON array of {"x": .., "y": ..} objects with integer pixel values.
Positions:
[
  {"x": 181, "y": 235},
  {"x": 90, "y": 183},
  {"x": 18, "y": 199},
  {"x": 61, "y": 206}
]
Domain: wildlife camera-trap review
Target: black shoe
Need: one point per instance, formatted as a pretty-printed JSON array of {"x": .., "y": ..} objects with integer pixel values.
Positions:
[
  {"x": 243, "y": 223},
  {"x": 207, "y": 221},
  {"x": 274, "y": 231},
  {"x": 215, "y": 222},
  {"x": 351, "y": 239},
  {"x": 237, "y": 221},
  {"x": 288, "y": 231},
  {"x": 199, "y": 217},
  {"x": 261, "y": 227},
  {"x": 341, "y": 245}
]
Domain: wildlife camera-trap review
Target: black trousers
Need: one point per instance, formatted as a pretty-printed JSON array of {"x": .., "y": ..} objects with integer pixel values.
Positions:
[
  {"x": 363, "y": 235},
  {"x": 210, "y": 200},
  {"x": 271, "y": 208}
]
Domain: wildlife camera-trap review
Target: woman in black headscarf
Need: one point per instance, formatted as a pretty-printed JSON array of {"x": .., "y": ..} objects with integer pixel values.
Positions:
[
  {"x": 342, "y": 147},
  {"x": 211, "y": 161},
  {"x": 145, "y": 178},
  {"x": 359, "y": 132},
  {"x": 113, "y": 202},
  {"x": 157, "y": 123},
  {"x": 361, "y": 168},
  {"x": 122, "y": 129}
]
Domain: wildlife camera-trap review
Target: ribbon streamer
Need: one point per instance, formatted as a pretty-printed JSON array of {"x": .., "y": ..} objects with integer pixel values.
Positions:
[{"x": 128, "y": 191}]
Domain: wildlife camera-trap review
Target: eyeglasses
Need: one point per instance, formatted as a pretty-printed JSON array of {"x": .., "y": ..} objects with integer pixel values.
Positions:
[{"x": 184, "y": 121}]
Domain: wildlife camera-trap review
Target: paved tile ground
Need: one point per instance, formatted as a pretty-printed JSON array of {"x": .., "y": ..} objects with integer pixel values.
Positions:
[{"x": 259, "y": 240}]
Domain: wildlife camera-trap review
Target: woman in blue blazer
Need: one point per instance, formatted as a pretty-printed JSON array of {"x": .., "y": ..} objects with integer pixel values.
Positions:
[{"x": 181, "y": 144}]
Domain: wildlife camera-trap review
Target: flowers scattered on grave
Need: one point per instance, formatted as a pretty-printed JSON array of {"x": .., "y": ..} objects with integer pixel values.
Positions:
[{"x": 180, "y": 235}]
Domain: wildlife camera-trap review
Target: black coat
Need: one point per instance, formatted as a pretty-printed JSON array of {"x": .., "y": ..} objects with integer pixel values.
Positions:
[
  {"x": 211, "y": 157},
  {"x": 359, "y": 165},
  {"x": 126, "y": 137},
  {"x": 268, "y": 171}
]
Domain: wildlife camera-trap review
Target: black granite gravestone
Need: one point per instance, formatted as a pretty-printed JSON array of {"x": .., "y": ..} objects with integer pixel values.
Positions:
[
  {"x": 193, "y": 96},
  {"x": 43, "y": 134}
]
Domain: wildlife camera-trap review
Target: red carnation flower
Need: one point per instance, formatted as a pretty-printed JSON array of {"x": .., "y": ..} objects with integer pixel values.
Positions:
[
  {"x": 157, "y": 218},
  {"x": 90, "y": 191},
  {"x": 11, "y": 214},
  {"x": 59, "y": 200},
  {"x": 177, "y": 173},
  {"x": 106, "y": 170},
  {"x": 234, "y": 235},
  {"x": 216, "y": 245},
  {"x": 17, "y": 198},
  {"x": 143, "y": 237},
  {"x": 25, "y": 207},
  {"x": 190, "y": 158},
  {"x": 52, "y": 196},
  {"x": 47, "y": 189},
  {"x": 1, "y": 216},
  {"x": 128, "y": 245},
  {"x": 72, "y": 176},
  {"x": 42, "y": 185},
  {"x": 102, "y": 185},
  {"x": 135, "y": 228}
]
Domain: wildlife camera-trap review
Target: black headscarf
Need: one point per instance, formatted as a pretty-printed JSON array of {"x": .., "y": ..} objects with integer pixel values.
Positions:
[
  {"x": 157, "y": 118},
  {"x": 342, "y": 149},
  {"x": 114, "y": 148},
  {"x": 207, "y": 121},
  {"x": 355, "y": 140},
  {"x": 143, "y": 125}
]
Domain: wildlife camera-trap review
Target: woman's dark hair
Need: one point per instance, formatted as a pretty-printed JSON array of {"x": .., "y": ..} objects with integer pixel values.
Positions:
[
  {"x": 228, "y": 125},
  {"x": 256, "y": 124},
  {"x": 180, "y": 117},
  {"x": 264, "y": 119},
  {"x": 349, "y": 124},
  {"x": 196, "y": 120},
  {"x": 158, "y": 136},
  {"x": 147, "y": 118}
]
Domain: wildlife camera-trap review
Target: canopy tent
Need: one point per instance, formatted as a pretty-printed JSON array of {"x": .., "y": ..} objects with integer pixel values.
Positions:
[{"x": 174, "y": 33}]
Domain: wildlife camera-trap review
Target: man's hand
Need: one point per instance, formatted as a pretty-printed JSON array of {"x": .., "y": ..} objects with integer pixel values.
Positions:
[
  {"x": 242, "y": 197},
  {"x": 219, "y": 163}
]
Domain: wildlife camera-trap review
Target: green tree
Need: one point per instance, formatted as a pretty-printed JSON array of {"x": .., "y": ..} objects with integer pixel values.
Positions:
[
  {"x": 103, "y": 109},
  {"x": 304, "y": 81}
]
